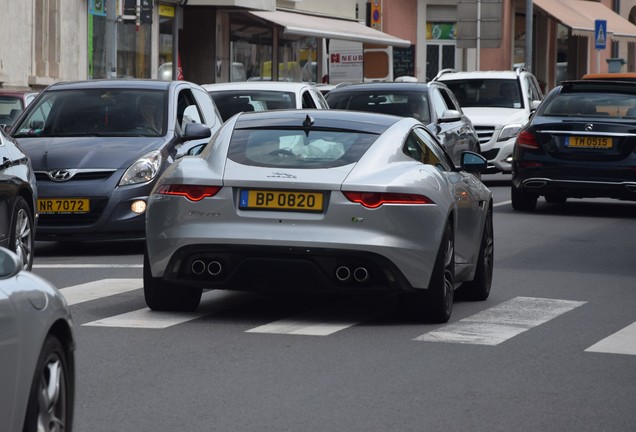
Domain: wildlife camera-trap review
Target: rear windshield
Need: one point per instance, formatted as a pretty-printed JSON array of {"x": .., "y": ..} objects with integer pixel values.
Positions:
[
  {"x": 236, "y": 101},
  {"x": 493, "y": 93},
  {"x": 298, "y": 148},
  {"x": 96, "y": 112},
  {"x": 403, "y": 104},
  {"x": 590, "y": 105},
  {"x": 10, "y": 109}
]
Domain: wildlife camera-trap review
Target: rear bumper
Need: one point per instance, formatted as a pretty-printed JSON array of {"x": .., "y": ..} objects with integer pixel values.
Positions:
[
  {"x": 624, "y": 190},
  {"x": 277, "y": 268}
]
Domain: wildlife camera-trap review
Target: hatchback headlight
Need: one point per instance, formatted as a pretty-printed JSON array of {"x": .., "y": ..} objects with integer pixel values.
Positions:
[
  {"x": 143, "y": 169},
  {"x": 509, "y": 131}
]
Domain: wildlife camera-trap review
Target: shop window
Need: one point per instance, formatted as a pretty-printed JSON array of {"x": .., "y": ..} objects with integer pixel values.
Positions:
[
  {"x": 297, "y": 60},
  {"x": 250, "y": 51},
  {"x": 166, "y": 26}
]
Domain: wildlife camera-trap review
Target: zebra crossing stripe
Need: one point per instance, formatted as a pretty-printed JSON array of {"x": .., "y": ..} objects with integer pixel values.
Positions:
[
  {"x": 621, "y": 342},
  {"x": 148, "y": 319},
  {"x": 324, "y": 321},
  {"x": 502, "y": 322},
  {"x": 97, "y": 289}
]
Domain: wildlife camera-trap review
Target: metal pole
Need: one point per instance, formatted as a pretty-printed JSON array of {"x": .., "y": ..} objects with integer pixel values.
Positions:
[
  {"x": 529, "y": 36},
  {"x": 478, "y": 34}
]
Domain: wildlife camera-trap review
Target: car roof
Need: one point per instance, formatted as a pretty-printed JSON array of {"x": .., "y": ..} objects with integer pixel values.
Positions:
[
  {"x": 332, "y": 119},
  {"x": 591, "y": 85},
  {"x": 17, "y": 93},
  {"x": 491, "y": 74},
  {"x": 386, "y": 86},
  {"x": 258, "y": 85},
  {"x": 112, "y": 83}
]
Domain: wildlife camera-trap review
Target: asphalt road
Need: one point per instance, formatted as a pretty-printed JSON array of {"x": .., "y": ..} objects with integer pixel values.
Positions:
[{"x": 552, "y": 349}]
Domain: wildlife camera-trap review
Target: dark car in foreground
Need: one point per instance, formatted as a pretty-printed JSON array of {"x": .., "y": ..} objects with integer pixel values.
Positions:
[
  {"x": 322, "y": 201},
  {"x": 97, "y": 148},
  {"x": 18, "y": 194},
  {"x": 580, "y": 143},
  {"x": 37, "y": 352},
  {"x": 432, "y": 103}
]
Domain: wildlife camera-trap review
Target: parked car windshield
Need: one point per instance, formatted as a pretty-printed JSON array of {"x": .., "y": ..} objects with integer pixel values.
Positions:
[
  {"x": 495, "y": 93},
  {"x": 235, "y": 101},
  {"x": 96, "y": 112},
  {"x": 298, "y": 148},
  {"x": 606, "y": 105},
  {"x": 400, "y": 103}
]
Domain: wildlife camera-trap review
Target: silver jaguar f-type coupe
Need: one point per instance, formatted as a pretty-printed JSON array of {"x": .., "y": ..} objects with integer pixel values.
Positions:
[{"x": 321, "y": 200}]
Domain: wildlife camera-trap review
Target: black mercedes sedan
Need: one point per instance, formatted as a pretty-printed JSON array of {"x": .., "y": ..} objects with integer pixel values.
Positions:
[
  {"x": 97, "y": 148},
  {"x": 580, "y": 143}
]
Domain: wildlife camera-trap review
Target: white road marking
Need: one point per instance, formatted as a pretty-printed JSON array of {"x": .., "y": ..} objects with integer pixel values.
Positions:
[
  {"x": 63, "y": 266},
  {"x": 621, "y": 342},
  {"x": 324, "y": 321},
  {"x": 500, "y": 323},
  {"x": 146, "y": 318},
  {"x": 98, "y": 289}
]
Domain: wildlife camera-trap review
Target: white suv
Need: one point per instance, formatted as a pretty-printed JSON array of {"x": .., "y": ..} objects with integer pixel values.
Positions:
[{"x": 498, "y": 103}]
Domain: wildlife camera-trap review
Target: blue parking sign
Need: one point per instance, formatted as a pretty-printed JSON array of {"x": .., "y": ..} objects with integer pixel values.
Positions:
[{"x": 600, "y": 34}]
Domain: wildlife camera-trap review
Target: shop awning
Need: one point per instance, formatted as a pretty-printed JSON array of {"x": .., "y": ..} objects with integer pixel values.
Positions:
[
  {"x": 580, "y": 15},
  {"x": 329, "y": 28}
]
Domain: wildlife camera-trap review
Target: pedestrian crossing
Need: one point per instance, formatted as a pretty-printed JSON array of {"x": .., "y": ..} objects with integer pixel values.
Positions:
[{"x": 490, "y": 327}]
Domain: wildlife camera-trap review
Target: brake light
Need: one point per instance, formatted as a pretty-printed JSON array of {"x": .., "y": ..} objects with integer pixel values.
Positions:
[
  {"x": 191, "y": 192},
  {"x": 528, "y": 140},
  {"x": 376, "y": 199}
]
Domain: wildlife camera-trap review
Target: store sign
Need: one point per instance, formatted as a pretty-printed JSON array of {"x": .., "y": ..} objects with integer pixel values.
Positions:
[{"x": 346, "y": 63}]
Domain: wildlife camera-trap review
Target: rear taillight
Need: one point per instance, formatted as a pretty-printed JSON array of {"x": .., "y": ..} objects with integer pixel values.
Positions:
[
  {"x": 376, "y": 199},
  {"x": 528, "y": 140},
  {"x": 191, "y": 192}
]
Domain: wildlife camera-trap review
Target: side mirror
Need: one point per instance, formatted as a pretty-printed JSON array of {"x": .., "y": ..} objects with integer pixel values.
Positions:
[
  {"x": 195, "y": 131},
  {"x": 450, "y": 116},
  {"x": 473, "y": 162},
  {"x": 10, "y": 263}
]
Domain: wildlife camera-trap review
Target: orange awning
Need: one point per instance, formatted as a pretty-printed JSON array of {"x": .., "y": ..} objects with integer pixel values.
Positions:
[{"x": 580, "y": 15}]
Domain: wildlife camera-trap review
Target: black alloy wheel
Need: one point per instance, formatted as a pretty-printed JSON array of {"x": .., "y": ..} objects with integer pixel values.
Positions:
[{"x": 441, "y": 290}]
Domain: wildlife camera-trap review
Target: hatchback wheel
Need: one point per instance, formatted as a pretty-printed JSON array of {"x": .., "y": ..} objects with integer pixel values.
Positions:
[
  {"x": 22, "y": 233},
  {"x": 50, "y": 398},
  {"x": 162, "y": 296},
  {"x": 522, "y": 200},
  {"x": 479, "y": 287}
]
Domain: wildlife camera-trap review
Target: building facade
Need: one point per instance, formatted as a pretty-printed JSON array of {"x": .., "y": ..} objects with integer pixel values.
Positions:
[{"x": 208, "y": 41}]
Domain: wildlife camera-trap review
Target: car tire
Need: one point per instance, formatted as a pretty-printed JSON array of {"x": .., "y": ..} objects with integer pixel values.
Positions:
[
  {"x": 440, "y": 294},
  {"x": 50, "y": 405},
  {"x": 521, "y": 200},
  {"x": 479, "y": 288},
  {"x": 162, "y": 296},
  {"x": 435, "y": 304},
  {"x": 22, "y": 240},
  {"x": 556, "y": 198}
]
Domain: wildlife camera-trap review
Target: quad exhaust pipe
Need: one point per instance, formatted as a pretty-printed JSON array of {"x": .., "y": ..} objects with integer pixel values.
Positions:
[
  {"x": 359, "y": 274},
  {"x": 213, "y": 268}
]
